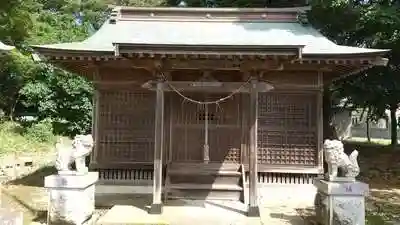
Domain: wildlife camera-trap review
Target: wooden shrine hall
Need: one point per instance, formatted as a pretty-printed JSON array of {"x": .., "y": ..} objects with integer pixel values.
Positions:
[{"x": 203, "y": 103}]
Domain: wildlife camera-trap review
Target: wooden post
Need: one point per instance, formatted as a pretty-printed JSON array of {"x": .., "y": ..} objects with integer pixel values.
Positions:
[
  {"x": 156, "y": 207},
  {"x": 95, "y": 118},
  {"x": 253, "y": 210},
  {"x": 320, "y": 123}
]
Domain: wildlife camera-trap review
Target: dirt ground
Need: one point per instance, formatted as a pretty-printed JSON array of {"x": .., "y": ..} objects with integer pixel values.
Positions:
[{"x": 380, "y": 168}]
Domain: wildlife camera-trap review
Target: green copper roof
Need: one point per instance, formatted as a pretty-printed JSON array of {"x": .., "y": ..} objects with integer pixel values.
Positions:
[
  {"x": 247, "y": 33},
  {"x": 4, "y": 47}
]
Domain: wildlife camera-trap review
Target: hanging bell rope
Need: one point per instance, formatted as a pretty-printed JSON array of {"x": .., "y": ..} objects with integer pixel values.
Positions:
[{"x": 205, "y": 102}]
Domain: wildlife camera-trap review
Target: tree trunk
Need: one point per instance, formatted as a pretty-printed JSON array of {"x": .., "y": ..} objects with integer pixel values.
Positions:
[
  {"x": 368, "y": 131},
  {"x": 393, "y": 124},
  {"x": 329, "y": 130}
]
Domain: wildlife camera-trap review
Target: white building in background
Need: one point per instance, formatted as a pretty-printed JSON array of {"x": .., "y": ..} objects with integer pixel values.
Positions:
[
  {"x": 5, "y": 48},
  {"x": 352, "y": 124}
]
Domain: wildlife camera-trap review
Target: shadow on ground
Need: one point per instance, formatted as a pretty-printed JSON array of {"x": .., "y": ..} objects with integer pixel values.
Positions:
[
  {"x": 143, "y": 201},
  {"x": 290, "y": 219},
  {"x": 30, "y": 213},
  {"x": 36, "y": 178}
]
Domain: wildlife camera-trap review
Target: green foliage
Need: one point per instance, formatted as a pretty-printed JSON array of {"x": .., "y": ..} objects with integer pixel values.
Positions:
[
  {"x": 374, "y": 24},
  {"x": 41, "y": 89},
  {"x": 64, "y": 97},
  {"x": 15, "y": 71},
  {"x": 13, "y": 140},
  {"x": 41, "y": 131},
  {"x": 15, "y": 20}
]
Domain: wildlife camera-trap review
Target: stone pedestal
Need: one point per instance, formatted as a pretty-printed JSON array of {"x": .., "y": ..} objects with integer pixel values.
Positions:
[
  {"x": 340, "y": 203},
  {"x": 71, "y": 198}
]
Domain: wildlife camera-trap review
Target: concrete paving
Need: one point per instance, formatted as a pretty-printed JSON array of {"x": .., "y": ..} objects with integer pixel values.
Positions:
[{"x": 280, "y": 205}]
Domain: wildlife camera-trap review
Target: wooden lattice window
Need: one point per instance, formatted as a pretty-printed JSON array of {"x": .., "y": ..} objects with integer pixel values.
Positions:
[
  {"x": 126, "y": 126},
  {"x": 202, "y": 115},
  {"x": 287, "y": 129}
]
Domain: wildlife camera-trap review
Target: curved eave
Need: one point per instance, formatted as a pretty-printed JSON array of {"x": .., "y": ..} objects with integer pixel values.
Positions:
[{"x": 67, "y": 51}]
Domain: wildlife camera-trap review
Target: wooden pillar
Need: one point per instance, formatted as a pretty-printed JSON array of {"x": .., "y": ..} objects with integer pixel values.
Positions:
[
  {"x": 156, "y": 207},
  {"x": 95, "y": 118},
  {"x": 253, "y": 208},
  {"x": 320, "y": 122}
]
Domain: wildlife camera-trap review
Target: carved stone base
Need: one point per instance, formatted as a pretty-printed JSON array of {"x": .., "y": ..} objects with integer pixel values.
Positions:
[
  {"x": 71, "y": 198},
  {"x": 340, "y": 203}
]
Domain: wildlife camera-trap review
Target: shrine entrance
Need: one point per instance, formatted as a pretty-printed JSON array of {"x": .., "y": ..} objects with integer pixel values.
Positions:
[{"x": 196, "y": 126}]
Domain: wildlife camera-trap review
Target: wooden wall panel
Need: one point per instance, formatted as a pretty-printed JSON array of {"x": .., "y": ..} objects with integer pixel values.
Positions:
[
  {"x": 287, "y": 129},
  {"x": 126, "y": 126}
]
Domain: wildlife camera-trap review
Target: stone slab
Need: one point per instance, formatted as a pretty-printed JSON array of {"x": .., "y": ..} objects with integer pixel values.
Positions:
[
  {"x": 129, "y": 215},
  {"x": 342, "y": 188},
  {"x": 71, "y": 181},
  {"x": 9, "y": 217},
  {"x": 278, "y": 206}
]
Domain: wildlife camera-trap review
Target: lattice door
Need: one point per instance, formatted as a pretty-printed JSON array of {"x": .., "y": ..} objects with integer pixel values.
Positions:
[
  {"x": 287, "y": 129},
  {"x": 188, "y": 123}
]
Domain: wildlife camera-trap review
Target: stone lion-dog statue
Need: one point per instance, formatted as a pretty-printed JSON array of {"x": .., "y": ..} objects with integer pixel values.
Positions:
[
  {"x": 336, "y": 158},
  {"x": 81, "y": 147}
]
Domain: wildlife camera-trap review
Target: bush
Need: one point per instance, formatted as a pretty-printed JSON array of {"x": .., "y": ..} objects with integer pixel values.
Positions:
[
  {"x": 41, "y": 131},
  {"x": 13, "y": 139}
]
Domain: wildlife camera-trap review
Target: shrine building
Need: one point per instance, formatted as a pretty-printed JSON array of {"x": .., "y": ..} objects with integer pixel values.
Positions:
[{"x": 205, "y": 103}]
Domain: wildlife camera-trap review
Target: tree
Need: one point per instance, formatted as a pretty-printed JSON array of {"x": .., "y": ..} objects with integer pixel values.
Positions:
[
  {"x": 374, "y": 24},
  {"x": 15, "y": 70},
  {"x": 15, "y": 20},
  {"x": 62, "y": 97}
]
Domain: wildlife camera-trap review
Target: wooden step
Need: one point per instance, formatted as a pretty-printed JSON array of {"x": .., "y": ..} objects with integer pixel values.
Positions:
[
  {"x": 203, "y": 172},
  {"x": 204, "y": 181},
  {"x": 203, "y": 192},
  {"x": 227, "y": 187},
  {"x": 204, "y": 178},
  {"x": 204, "y": 166}
]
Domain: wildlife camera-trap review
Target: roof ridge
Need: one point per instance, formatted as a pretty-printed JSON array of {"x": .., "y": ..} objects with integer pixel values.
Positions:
[
  {"x": 221, "y": 9},
  {"x": 207, "y": 14}
]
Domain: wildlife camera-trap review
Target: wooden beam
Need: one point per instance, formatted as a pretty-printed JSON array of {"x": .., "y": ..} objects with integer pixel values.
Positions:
[
  {"x": 210, "y": 86},
  {"x": 253, "y": 208},
  {"x": 156, "y": 207},
  {"x": 176, "y": 63}
]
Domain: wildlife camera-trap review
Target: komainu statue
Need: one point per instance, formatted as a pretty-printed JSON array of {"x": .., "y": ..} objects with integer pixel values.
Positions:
[
  {"x": 337, "y": 159},
  {"x": 81, "y": 147}
]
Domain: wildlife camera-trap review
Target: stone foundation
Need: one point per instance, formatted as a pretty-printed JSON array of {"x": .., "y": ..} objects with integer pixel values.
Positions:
[{"x": 71, "y": 198}]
